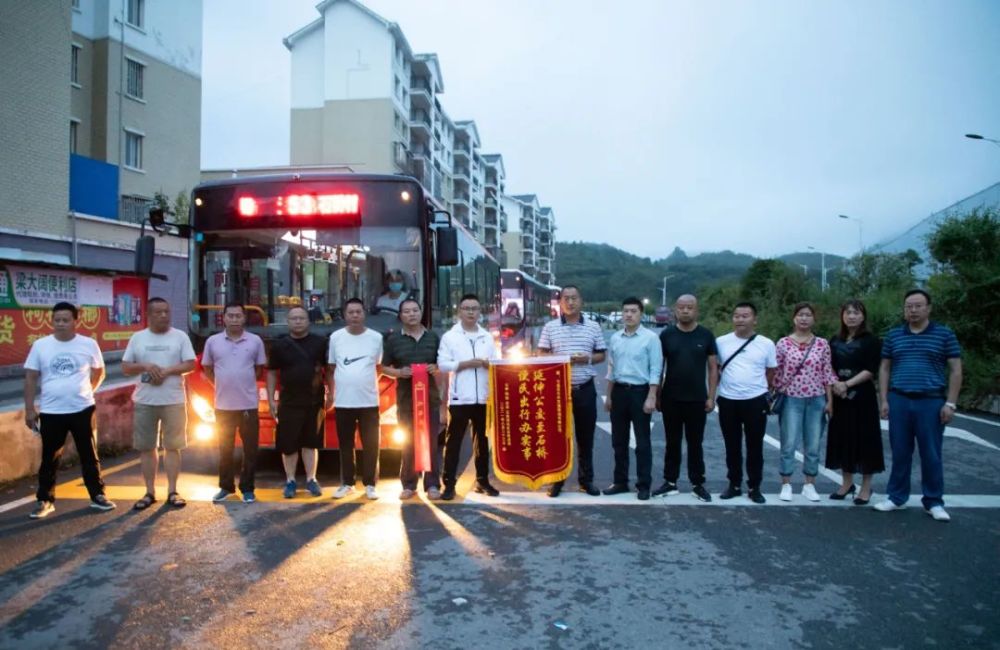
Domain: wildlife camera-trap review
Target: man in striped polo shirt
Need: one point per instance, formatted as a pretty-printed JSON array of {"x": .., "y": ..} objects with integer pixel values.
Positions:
[
  {"x": 583, "y": 342},
  {"x": 919, "y": 380}
]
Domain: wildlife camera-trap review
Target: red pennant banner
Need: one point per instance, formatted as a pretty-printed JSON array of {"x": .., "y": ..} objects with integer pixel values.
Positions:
[
  {"x": 421, "y": 418},
  {"x": 531, "y": 417}
]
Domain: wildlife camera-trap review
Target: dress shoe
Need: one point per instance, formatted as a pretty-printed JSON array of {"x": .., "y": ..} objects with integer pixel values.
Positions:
[
  {"x": 858, "y": 501},
  {"x": 487, "y": 489},
  {"x": 840, "y": 496},
  {"x": 731, "y": 492},
  {"x": 588, "y": 488},
  {"x": 644, "y": 494},
  {"x": 448, "y": 494},
  {"x": 756, "y": 496},
  {"x": 616, "y": 488},
  {"x": 555, "y": 490}
]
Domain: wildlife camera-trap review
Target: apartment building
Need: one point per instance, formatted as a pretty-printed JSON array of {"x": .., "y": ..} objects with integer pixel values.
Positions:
[
  {"x": 531, "y": 247},
  {"x": 101, "y": 113},
  {"x": 361, "y": 97}
]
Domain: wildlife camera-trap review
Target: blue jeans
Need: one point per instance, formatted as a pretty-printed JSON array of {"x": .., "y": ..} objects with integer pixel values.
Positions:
[
  {"x": 802, "y": 418},
  {"x": 916, "y": 419}
]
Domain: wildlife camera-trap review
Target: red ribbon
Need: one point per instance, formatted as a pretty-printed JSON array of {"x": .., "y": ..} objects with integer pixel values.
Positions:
[{"x": 421, "y": 418}]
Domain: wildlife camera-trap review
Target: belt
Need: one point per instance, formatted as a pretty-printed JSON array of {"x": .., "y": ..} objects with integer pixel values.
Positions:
[
  {"x": 579, "y": 386},
  {"x": 632, "y": 386},
  {"x": 920, "y": 394}
]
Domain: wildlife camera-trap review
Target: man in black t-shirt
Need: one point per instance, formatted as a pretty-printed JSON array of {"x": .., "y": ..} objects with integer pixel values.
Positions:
[
  {"x": 297, "y": 363},
  {"x": 689, "y": 354}
]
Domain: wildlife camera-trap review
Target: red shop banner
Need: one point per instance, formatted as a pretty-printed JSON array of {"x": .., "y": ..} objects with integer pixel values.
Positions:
[
  {"x": 530, "y": 414},
  {"x": 112, "y": 308}
]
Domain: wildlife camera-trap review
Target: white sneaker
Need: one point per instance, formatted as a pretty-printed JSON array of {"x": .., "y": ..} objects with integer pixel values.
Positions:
[
  {"x": 939, "y": 513},
  {"x": 786, "y": 492},
  {"x": 370, "y": 492},
  {"x": 809, "y": 492},
  {"x": 889, "y": 506},
  {"x": 343, "y": 491}
]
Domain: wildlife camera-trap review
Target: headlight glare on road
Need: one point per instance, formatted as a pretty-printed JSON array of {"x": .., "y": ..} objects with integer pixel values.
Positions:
[
  {"x": 204, "y": 432},
  {"x": 203, "y": 409}
]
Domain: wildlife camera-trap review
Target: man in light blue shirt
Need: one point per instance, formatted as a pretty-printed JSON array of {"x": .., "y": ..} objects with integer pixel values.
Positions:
[{"x": 635, "y": 361}]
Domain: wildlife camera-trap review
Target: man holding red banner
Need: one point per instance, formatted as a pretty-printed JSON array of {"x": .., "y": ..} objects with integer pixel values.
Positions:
[
  {"x": 411, "y": 357},
  {"x": 581, "y": 340}
]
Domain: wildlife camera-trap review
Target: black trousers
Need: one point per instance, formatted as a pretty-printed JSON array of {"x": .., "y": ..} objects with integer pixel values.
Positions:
[
  {"x": 53, "y": 428},
  {"x": 739, "y": 418},
  {"x": 348, "y": 421},
  {"x": 684, "y": 420},
  {"x": 248, "y": 424},
  {"x": 460, "y": 417},
  {"x": 626, "y": 412},
  {"x": 584, "y": 423}
]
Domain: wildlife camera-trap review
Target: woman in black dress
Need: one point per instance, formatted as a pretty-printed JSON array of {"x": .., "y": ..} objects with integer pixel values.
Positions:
[{"x": 854, "y": 439}]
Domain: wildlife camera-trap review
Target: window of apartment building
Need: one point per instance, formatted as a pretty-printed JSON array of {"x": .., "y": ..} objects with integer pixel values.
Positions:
[
  {"x": 74, "y": 65},
  {"x": 134, "y": 79},
  {"x": 74, "y": 127},
  {"x": 135, "y": 12},
  {"x": 133, "y": 149}
]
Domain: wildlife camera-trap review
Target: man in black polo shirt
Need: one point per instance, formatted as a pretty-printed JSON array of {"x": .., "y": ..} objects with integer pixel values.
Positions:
[
  {"x": 296, "y": 364},
  {"x": 414, "y": 344},
  {"x": 688, "y": 351}
]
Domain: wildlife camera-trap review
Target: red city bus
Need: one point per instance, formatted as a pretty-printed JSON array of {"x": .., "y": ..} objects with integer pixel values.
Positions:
[{"x": 316, "y": 240}]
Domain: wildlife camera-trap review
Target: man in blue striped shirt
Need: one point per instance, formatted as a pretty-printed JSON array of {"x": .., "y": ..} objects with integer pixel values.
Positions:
[
  {"x": 919, "y": 381},
  {"x": 635, "y": 362},
  {"x": 582, "y": 341}
]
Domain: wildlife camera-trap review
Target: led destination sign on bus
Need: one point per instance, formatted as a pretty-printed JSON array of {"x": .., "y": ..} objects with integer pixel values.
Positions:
[{"x": 299, "y": 205}]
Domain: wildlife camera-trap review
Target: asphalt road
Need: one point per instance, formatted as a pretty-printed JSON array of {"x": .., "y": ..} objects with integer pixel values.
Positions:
[{"x": 518, "y": 571}]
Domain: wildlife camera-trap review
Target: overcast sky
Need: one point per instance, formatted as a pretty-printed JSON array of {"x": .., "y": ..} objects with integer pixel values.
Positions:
[{"x": 653, "y": 124}]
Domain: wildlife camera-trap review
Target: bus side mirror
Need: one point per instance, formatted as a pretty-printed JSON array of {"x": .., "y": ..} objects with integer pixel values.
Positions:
[
  {"x": 447, "y": 246},
  {"x": 145, "y": 248}
]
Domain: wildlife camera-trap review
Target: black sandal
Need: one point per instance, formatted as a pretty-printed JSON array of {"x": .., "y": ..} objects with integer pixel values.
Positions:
[
  {"x": 143, "y": 503},
  {"x": 176, "y": 500}
]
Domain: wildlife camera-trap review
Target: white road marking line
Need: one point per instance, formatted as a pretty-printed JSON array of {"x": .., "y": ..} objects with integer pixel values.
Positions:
[
  {"x": 955, "y": 432},
  {"x": 577, "y": 499},
  {"x": 980, "y": 420},
  {"x": 16, "y": 504},
  {"x": 606, "y": 426}
]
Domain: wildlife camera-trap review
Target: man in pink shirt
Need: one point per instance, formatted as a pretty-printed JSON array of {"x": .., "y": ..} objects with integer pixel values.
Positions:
[{"x": 233, "y": 361}]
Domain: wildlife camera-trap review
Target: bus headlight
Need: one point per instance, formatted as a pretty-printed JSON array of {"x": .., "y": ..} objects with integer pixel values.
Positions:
[
  {"x": 202, "y": 409},
  {"x": 398, "y": 436},
  {"x": 204, "y": 432}
]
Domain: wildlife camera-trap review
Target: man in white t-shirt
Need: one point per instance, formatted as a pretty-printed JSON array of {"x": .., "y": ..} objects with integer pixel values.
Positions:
[
  {"x": 161, "y": 355},
  {"x": 746, "y": 373},
  {"x": 70, "y": 368},
  {"x": 355, "y": 357}
]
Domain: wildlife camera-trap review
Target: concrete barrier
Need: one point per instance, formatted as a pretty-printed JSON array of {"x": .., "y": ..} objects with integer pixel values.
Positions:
[{"x": 21, "y": 448}]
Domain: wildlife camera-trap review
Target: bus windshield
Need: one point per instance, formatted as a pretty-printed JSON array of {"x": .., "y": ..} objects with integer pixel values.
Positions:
[{"x": 270, "y": 270}]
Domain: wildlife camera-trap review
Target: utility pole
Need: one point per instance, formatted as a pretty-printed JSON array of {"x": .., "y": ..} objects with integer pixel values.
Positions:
[{"x": 822, "y": 263}]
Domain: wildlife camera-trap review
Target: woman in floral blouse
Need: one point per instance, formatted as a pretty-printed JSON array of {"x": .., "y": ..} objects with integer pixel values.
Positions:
[{"x": 805, "y": 376}]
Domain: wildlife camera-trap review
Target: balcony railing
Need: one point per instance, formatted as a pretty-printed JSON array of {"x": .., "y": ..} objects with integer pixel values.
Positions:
[
  {"x": 135, "y": 209},
  {"x": 420, "y": 118}
]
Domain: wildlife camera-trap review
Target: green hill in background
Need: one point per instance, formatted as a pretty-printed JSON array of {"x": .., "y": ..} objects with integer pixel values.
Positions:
[{"x": 606, "y": 273}]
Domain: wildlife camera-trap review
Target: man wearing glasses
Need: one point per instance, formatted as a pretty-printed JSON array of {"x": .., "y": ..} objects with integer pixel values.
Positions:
[{"x": 465, "y": 352}]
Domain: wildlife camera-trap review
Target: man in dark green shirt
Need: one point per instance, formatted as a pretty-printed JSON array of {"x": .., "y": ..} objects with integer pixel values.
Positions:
[{"x": 414, "y": 344}]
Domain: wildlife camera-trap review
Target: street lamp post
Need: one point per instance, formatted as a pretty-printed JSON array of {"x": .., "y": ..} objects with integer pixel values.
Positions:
[
  {"x": 976, "y": 136},
  {"x": 822, "y": 266},
  {"x": 861, "y": 237}
]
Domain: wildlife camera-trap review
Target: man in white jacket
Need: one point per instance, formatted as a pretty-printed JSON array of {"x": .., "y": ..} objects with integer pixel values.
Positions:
[{"x": 466, "y": 350}]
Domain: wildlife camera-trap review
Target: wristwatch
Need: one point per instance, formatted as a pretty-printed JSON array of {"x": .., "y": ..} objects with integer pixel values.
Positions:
[{"x": 951, "y": 405}]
